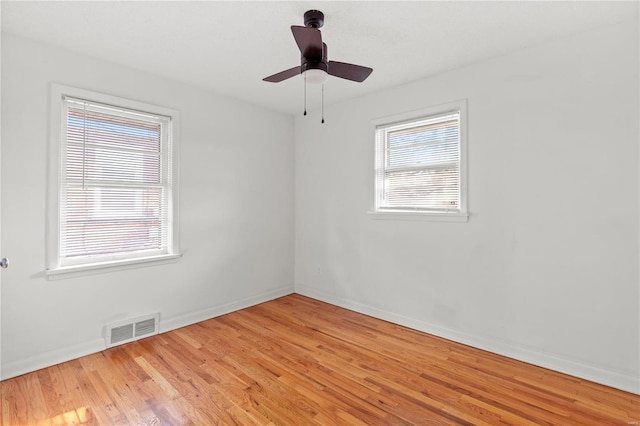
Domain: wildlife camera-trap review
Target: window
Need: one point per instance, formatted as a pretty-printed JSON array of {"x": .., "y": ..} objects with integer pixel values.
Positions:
[
  {"x": 420, "y": 164},
  {"x": 115, "y": 197}
]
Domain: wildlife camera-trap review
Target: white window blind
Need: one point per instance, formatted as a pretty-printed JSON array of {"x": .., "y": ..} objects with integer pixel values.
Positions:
[
  {"x": 115, "y": 184},
  {"x": 418, "y": 165}
]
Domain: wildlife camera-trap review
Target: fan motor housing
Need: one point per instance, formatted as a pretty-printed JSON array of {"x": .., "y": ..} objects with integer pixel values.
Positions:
[
  {"x": 313, "y": 19},
  {"x": 315, "y": 63}
]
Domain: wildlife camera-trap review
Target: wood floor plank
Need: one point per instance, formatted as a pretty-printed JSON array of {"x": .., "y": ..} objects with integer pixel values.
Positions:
[
  {"x": 33, "y": 396},
  {"x": 298, "y": 361}
]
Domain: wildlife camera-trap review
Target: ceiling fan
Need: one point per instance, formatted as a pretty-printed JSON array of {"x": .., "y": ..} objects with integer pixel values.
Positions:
[{"x": 314, "y": 63}]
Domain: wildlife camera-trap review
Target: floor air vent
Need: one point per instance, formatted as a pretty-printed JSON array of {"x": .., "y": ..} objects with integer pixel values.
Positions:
[{"x": 132, "y": 329}]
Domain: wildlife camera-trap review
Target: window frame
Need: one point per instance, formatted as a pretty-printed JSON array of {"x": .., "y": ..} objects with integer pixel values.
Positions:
[
  {"x": 55, "y": 269},
  {"x": 407, "y": 119}
]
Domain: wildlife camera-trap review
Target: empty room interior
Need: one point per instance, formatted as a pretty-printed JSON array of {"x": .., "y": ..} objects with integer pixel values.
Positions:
[{"x": 320, "y": 213}]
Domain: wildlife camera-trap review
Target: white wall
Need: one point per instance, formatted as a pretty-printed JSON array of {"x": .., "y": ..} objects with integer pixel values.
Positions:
[
  {"x": 546, "y": 269},
  {"x": 236, "y": 211}
]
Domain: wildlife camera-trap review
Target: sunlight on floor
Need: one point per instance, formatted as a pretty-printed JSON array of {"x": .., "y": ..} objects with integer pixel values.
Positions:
[{"x": 74, "y": 417}]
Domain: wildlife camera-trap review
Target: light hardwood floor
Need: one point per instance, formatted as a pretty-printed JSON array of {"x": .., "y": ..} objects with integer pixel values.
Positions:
[{"x": 297, "y": 361}]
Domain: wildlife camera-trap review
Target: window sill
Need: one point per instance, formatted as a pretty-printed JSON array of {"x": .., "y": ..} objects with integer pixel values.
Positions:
[
  {"x": 99, "y": 268},
  {"x": 420, "y": 216}
]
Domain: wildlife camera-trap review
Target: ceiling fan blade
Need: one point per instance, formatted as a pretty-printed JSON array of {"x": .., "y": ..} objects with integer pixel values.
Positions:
[
  {"x": 283, "y": 75},
  {"x": 349, "y": 71},
  {"x": 309, "y": 41}
]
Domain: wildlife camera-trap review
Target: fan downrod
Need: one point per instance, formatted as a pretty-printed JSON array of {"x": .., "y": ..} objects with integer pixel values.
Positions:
[{"x": 313, "y": 19}]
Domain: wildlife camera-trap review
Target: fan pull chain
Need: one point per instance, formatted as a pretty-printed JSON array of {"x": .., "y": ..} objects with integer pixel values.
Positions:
[
  {"x": 305, "y": 93},
  {"x": 322, "y": 103}
]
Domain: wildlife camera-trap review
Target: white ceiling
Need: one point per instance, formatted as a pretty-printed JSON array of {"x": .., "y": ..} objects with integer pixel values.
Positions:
[{"x": 228, "y": 47}]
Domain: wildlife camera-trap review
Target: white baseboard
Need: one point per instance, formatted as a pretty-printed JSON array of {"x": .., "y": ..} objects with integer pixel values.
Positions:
[
  {"x": 47, "y": 359},
  {"x": 168, "y": 324},
  {"x": 615, "y": 379},
  {"x": 588, "y": 372}
]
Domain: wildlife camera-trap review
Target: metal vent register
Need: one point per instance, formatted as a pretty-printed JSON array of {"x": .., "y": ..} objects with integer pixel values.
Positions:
[{"x": 129, "y": 330}]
